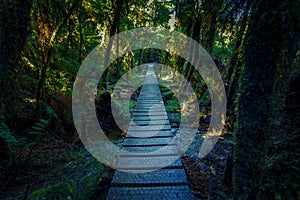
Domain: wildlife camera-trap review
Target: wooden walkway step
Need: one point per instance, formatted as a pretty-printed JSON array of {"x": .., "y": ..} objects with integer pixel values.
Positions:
[{"x": 148, "y": 174}]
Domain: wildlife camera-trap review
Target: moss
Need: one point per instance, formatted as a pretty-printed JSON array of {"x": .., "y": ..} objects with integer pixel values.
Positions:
[
  {"x": 57, "y": 191},
  {"x": 87, "y": 188},
  {"x": 71, "y": 186},
  {"x": 174, "y": 118}
]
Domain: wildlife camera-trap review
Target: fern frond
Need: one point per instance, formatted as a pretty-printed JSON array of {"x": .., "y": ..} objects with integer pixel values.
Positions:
[
  {"x": 38, "y": 127},
  {"x": 49, "y": 110},
  {"x": 6, "y": 135}
]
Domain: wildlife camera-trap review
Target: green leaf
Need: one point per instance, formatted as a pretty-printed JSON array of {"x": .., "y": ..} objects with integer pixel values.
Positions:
[
  {"x": 230, "y": 142},
  {"x": 24, "y": 141},
  {"x": 6, "y": 135},
  {"x": 34, "y": 132},
  {"x": 30, "y": 144},
  {"x": 38, "y": 127}
]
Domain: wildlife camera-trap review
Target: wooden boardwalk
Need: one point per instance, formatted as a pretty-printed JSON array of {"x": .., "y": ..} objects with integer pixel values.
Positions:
[{"x": 148, "y": 132}]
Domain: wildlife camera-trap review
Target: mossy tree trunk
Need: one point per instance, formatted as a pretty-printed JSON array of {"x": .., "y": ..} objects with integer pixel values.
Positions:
[
  {"x": 15, "y": 18},
  {"x": 262, "y": 51}
]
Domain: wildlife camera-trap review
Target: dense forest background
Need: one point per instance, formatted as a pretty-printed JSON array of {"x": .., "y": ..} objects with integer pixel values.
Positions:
[{"x": 255, "y": 45}]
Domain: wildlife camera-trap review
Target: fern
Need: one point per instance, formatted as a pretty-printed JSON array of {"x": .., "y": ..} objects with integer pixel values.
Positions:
[
  {"x": 6, "y": 135},
  {"x": 25, "y": 143},
  {"x": 19, "y": 149},
  {"x": 49, "y": 110},
  {"x": 173, "y": 106},
  {"x": 167, "y": 93},
  {"x": 8, "y": 141},
  {"x": 38, "y": 127}
]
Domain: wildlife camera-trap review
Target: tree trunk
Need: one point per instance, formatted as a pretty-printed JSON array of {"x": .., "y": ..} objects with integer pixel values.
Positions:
[
  {"x": 262, "y": 50},
  {"x": 234, "y": 71},
  {"x": 47, "y": 38},
  {"x": 113, "y": 30},
  {"x": 189, "y": 70},
  {"x": 15, "y": 18},
  {"x": 14, "y": 31}
]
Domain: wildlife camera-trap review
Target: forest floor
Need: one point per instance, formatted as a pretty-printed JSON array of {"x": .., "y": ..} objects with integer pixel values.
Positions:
[
  {"x": 56, "y": 168},
  {"x": 71, "y": 169},
  {"x": 206, "y": 176}
]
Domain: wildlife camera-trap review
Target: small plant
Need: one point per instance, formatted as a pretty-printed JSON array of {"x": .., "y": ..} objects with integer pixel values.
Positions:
[
  {"x": 132, "y": 104},
  {"x": 6, "y": 135},
  {"x": 231, "y": 140},
  {"x": 19, "y": 149},
  {"x": 173, "y": 106}
]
